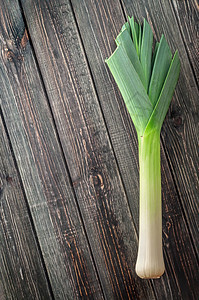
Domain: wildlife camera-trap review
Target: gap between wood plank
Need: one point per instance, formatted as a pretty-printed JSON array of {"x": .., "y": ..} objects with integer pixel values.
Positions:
[
  {"x": 27, "y": 205},
  {"x": 61, "y": 148}
]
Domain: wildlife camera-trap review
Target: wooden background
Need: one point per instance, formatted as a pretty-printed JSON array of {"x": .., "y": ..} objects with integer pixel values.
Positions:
[{"x": 69, "y": 186}]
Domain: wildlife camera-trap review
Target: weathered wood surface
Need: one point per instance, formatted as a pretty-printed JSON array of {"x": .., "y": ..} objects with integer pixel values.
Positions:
[
  {"x": 22, "y": 273},
  {"x": 76, "y": 150},
  {"x": 41, "y": 165}
]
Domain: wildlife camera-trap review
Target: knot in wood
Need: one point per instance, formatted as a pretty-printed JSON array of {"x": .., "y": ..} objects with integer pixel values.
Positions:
[
  {"x": 178, "y": 121},
  {"x": 176, "y": 117},
  {"x": 8, "y": 179},
  {"x": 10, "y": 55}
]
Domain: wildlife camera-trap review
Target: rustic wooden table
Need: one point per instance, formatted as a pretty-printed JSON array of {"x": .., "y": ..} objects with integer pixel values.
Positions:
[{"x": 69, "y": 185}]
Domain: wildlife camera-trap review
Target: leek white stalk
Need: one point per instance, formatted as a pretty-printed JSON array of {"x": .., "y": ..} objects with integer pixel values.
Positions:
[
  {"x": 150, "y": 263},
  {"x": 147, "y": 83}
]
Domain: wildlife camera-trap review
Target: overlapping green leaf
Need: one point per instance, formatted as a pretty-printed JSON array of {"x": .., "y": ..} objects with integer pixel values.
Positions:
[
  {"x": 146, "y": 51},
  {"x": 146, "y": 83},
  {"x": 162, "y": 105},
  {"x": 154, "y": 53},
  {"x": 131, "y": 88},
  {"x": 127, "y": 27},
  {"x": 135, "y": 33},
  {"x": 140, "y": 38},
  {"x": 160, "y": 68},
  {"x": 124, "y": 38}
]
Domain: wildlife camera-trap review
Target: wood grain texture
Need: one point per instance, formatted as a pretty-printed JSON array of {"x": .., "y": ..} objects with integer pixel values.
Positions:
[
  {"x": 87, "y": 148},
  {"x": 187, "y": 14},
  {"x": 99, "y": 23},
  {"x": 21, "y": 270},
  {"x": 41, "y": 165},
  {"x": 96, "y": 139}
]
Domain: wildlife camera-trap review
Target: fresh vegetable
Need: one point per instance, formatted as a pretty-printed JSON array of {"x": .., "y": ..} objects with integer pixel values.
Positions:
[{"x": 146, "y": 81}]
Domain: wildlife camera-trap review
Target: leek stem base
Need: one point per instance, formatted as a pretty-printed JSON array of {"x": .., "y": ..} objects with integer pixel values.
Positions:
[{"x": 150, "y": 263}]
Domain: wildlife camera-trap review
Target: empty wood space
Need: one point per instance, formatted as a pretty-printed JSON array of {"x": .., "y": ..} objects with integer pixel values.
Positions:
[{"x": 69, "y": 172}]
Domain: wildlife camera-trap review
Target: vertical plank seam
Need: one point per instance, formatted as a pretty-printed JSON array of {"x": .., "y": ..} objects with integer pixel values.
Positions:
[
  {"x": 27, "y": 206},
  {"x": 185, "y": 46},
  {"x": 123, "y": 9},
  {"x": 60, "y": 145}
]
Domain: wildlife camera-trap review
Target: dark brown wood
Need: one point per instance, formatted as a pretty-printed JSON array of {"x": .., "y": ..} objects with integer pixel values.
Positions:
[
  {"x": 87, "y": 148},
  {"x": 42, "y": 168},
  {"x": 22, "y": 274},
  {"x": 187, "y": 14},
  {"x": 99, "y": 23}
]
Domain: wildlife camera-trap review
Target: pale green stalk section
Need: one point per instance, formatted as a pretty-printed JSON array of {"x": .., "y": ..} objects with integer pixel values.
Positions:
[{"x": 150, "y": 263}]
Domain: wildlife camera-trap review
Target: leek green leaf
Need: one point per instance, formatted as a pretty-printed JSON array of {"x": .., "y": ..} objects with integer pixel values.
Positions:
[
  {"x": 146, "y": 51},
  {"x": 154, "y": 54},
  {"x": 160, "y": 68},
  {"x": 134, "y": 31},
  {"x": 124, "y": 38},
  {"x": 126, "y": 26},
  {"x": 131, "y": 88},
  {"x": 165, "y": 97},
  {"x": 140, "y": 38}
]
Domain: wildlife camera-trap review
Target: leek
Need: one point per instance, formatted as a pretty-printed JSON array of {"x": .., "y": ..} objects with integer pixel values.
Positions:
[{"x": 146, "y": 81}]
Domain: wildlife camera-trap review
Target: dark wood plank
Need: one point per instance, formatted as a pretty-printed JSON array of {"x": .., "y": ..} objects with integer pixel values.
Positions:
[
  {"x": 99, "y": 23},
  {"x": 179, "y": 132},
  {"x": 41, "y": 165},
  {"x": 87, "y": 148},
  {"x": 187, "y": 13},
  {"x": 22, "y": 274}
]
